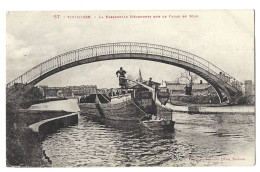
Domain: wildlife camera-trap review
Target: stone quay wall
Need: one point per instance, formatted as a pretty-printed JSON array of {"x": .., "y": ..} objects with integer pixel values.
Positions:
[
  {"x": 25, "y": 131},
  {"x": 48, "y": 126}
]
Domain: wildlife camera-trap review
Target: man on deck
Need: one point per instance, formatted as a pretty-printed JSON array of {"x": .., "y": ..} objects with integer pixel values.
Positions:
[
  {"x": 150, "y": 84},
  {"x": 122, "y": 80}
]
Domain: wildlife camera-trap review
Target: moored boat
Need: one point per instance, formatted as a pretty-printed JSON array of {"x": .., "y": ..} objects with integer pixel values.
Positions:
[
  {"x": 135, "y": 106},
  {"x": 118, "y": 108},
  {"x": 157, "y": 123}
]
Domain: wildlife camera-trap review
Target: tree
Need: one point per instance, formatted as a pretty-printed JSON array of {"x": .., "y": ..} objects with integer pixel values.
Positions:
[
  {"x": 191, "y": 77},
  {"x": 177, "y": 77}
]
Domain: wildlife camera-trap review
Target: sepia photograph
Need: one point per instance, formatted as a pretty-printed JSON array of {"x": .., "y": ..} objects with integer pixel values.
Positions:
[{"x": 162, "y": 88}]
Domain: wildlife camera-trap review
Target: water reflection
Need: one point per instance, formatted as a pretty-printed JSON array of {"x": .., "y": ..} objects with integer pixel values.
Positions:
[
  {"x": 198, "y": 140},
  {"x": 99, "y": 142}
]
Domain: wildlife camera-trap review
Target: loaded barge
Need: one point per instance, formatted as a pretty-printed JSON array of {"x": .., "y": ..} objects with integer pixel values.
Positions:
[{"x": 140, "y": 105}]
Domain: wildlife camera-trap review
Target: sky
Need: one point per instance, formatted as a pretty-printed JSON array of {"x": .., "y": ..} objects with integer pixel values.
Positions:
[{"x": 225, "y": 38}]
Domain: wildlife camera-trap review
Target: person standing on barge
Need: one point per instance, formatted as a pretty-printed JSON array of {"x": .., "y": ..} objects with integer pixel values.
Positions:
[{"x": 121, "y": 74}]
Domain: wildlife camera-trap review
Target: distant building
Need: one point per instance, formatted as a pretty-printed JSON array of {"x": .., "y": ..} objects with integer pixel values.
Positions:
[
  {"x": 249, "y": 88},
  {"x": 117, "y": 91},
  {"x": 197, "y": 88},
  {"x": 50, "y": 91},
  {"x": 67, "y": 92},
  {"x": 83, "y": 90},
  {"x": 163, "y": 87}
]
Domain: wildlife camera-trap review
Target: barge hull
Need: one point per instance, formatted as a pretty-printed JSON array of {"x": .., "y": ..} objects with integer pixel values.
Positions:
[{"x": 126, "y": 110}]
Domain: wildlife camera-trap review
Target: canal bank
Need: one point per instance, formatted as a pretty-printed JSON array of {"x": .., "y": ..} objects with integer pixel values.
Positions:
[
  {"x": 28, "y": 103},
  {"x": 23, "y": 138},
  {"x": 48, "y": 126},
  {"x": 212, "y": 109}
]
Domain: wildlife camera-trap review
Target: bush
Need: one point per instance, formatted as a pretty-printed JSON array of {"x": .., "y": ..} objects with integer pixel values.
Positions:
[{"x": 196, "y": 99}]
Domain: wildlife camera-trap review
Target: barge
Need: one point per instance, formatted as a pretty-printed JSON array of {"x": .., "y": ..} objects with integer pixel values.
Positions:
[{"x": 139, "y": 105}]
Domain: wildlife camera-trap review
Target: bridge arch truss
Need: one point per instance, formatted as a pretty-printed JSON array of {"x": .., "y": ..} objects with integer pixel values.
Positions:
[{"x": 224, "y": 84}]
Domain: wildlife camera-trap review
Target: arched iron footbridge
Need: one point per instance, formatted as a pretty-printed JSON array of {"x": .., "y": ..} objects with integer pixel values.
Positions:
[{"x": 227, "y": 87}]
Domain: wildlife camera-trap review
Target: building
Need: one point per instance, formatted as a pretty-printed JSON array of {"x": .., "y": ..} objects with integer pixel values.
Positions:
[
  {"x": 83, "y": 90},
  {"x": 118, "y": 91},
  {"x": 67, "y": 92},
  {"x": 50, "y": 91},
  {"x": 197, "y": 88},
  {"x": 249, "y": 88}
]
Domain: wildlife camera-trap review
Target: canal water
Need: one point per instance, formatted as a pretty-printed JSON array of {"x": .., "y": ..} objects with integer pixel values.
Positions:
[{"x": 198, "y": 140}]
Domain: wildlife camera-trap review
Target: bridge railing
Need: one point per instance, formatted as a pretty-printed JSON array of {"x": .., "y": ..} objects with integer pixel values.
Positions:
[{"x": 122, "y": 48}]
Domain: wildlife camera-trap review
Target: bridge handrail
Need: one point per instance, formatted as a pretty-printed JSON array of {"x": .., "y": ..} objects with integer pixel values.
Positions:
[{"x": 121, "y": 48}]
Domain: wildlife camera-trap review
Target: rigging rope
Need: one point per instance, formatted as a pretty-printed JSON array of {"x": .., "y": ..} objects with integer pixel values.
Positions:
[
  {"x": 103, "y": 96},
  {"x": 138, "y": 107}
]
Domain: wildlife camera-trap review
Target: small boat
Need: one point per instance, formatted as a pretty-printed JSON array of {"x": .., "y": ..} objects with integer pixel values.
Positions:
[{"x": 157, "y": 123}]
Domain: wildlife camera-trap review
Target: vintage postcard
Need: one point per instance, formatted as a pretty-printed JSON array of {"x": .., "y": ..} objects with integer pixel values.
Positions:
[{"x": 130, "y": 88}]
